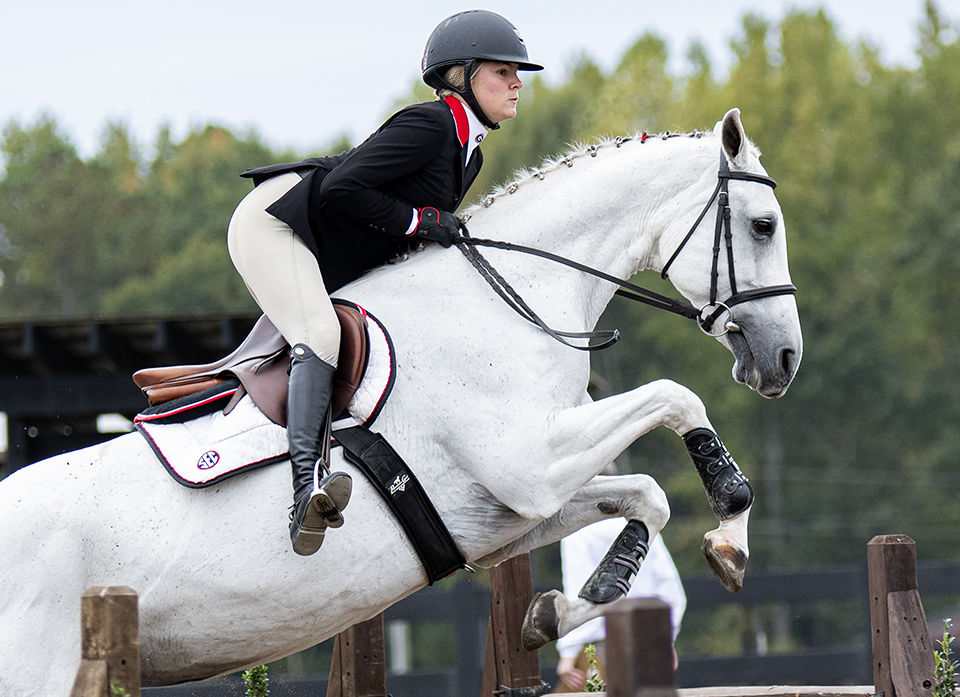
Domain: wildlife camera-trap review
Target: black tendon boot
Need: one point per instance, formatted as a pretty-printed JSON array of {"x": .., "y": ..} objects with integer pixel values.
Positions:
[
  {"x": 318, "y": 494},
  {"x": 615, "y": 572},
  {"x": 728, "y": 490}
]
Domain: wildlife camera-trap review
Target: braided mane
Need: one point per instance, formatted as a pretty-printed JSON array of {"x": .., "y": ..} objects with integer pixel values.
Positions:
[{"x": 576, "y": 151}]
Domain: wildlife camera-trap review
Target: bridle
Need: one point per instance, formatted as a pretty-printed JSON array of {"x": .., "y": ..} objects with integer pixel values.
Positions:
[
  {"x": 706, "y": 316},
  {"x": 713, "y": 310}
]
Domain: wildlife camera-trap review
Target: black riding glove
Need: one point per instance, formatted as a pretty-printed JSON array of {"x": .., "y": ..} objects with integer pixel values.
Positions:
[{"x": 436, "y": 225}]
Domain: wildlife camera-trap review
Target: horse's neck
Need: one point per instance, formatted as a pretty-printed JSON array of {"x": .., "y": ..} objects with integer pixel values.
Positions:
[{"x": 607, "y": 210}]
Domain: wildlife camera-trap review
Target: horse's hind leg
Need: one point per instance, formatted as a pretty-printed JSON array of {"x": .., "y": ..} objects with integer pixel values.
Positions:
[
  {"x": 601, "y": 430},
  {"x": 637, "y": 498}
]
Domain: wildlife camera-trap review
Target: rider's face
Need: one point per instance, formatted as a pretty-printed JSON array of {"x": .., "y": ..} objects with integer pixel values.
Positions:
[{"x": 497, "y": 89}]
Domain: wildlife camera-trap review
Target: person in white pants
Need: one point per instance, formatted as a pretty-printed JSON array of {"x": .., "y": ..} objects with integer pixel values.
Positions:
[{"x": 580, "y": 554}]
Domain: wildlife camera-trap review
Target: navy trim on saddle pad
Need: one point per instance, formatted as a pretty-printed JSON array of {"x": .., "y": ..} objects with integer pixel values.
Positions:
[{"x": 402, "y": 493}]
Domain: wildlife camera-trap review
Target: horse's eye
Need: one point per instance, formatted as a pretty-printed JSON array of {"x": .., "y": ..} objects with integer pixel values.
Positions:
[{"x": 764, "y": 227}]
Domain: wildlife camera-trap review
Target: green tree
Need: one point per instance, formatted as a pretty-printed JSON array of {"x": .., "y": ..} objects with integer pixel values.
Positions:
[
  {"x": 61, "y": 219},
  {"x": 192, "y": 189},
  {"x": 639, "y": 92}
]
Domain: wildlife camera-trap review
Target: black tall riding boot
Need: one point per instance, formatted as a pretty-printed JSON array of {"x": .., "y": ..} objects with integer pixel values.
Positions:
[{"x": 318, "y": 494}]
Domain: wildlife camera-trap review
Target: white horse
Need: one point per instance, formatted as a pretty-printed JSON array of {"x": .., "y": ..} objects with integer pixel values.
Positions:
[{"x": 490, "y": 412}]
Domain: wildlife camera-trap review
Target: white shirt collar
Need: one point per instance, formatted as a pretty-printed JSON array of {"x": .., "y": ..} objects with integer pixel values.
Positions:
[{"x": 477, "y": 131}]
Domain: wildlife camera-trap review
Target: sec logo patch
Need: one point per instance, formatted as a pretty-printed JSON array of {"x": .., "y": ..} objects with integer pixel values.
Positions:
[{"x": 208, "y": 459}]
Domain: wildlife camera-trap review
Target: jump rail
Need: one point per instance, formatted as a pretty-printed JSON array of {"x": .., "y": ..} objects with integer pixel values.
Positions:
[{"x": 639, "y": 654}]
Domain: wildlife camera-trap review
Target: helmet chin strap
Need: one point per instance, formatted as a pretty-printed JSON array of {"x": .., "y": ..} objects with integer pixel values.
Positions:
[
  {"x": 468, "y": 96},
  {"x": 471, "y": 99}
]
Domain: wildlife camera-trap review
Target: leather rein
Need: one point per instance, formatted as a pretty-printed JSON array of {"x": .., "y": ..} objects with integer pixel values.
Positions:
[{"x": 706, "y": 316}]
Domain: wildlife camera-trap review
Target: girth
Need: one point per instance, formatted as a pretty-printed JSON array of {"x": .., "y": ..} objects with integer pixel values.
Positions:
[{"x": 261, "y": 363}]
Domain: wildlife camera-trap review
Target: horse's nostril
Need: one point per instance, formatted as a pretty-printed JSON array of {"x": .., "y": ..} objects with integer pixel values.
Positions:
[{"x": 787, "y": 361}]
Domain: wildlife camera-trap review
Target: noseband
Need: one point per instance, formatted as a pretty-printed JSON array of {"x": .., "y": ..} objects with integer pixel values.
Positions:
[
  {"x": 713, "y": 310},
  {"x": 706, "y": 316}
]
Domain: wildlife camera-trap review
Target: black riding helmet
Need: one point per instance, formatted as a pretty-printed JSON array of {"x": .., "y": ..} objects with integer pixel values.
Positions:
[{"x": 468, "y": 37}]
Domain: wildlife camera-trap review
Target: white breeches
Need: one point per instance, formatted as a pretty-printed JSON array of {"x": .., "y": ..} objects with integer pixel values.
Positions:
[{"x": 281, "y": 272}]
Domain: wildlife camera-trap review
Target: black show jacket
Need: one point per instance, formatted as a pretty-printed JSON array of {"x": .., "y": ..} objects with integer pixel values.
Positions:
[{"x": 353, "y": 209}]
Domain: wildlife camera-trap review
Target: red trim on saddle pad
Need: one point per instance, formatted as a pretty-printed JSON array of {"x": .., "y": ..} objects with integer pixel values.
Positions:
[{"x": 185, "y": 408}]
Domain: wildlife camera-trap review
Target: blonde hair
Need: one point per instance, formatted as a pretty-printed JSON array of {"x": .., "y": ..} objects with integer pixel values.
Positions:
[{"x": 455, "y": 76}]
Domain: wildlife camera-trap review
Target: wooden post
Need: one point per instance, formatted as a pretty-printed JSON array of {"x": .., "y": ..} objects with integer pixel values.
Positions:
[
  {"x": 110, "y": 642},
  {"x": 358, "y": 668},
  {"x": 91, "y": 680},
  {"x": 902, "y": 652},
  {"x": 507, "y": 663},
  {"x": 639, "y": 649}
]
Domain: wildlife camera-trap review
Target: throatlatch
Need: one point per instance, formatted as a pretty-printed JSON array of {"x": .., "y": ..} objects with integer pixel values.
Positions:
[
  {"x": 728, "y": 490},
  {"x": 615, "y": 572}
]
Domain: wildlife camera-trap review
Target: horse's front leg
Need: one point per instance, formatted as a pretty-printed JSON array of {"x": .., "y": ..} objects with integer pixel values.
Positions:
[
  {"x": 599, "y": 431},
  {"x": 632, "y": 496}
]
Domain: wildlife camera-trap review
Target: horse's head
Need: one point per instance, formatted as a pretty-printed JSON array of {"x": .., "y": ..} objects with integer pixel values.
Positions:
[{"x": 733, "y": 264}]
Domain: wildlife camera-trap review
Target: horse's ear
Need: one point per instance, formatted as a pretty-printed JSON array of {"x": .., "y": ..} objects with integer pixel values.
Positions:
[{"x": 733, "y": 138}]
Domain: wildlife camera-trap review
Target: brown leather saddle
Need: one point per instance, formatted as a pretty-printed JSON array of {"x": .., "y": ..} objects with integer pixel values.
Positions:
[{"x": 261, "y": 363}]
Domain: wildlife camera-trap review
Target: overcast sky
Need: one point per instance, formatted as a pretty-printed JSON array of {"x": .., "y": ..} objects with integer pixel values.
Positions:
[{"x": 303, "y": 72}]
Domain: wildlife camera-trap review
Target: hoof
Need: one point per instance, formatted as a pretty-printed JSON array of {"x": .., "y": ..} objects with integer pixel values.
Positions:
[
  {"x": 728, "y": 562},
  {"x": 540, "y": 625}
]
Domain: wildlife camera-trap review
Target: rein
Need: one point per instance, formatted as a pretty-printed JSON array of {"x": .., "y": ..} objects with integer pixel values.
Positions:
[
  {"x": 468, "y": 246},
  {"x": 608, "y": 337}
]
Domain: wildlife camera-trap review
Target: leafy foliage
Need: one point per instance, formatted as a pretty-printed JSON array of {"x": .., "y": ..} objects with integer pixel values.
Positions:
[
  {"x": 256, "y": 681},
  {"x": 595, "y": 683},
  {"x": 944, "y": 667}
]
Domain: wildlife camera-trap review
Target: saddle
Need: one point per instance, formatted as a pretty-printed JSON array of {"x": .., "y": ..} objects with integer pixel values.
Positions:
[{"x": 261, "y": 363}]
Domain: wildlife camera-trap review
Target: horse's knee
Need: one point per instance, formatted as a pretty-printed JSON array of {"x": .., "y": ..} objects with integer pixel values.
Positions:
[
  {"x": 658, "y": 508},
  {"x": 682, "y": 408},
  {"x": 647, "y": 502}
]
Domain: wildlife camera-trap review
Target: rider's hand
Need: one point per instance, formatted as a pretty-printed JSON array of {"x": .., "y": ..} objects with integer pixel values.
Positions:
[
  {"x": 436, "y": 225},
  {"x": 571, "y": 677}
]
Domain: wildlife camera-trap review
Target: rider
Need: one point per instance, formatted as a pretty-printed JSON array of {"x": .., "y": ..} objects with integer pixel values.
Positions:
[{"x": 311, "y": 227}]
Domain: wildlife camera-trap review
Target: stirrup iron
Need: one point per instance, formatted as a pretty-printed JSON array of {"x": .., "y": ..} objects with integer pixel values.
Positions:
[
  {"x": 331, "y": 490},
  {"x": 311, "y": 517}
]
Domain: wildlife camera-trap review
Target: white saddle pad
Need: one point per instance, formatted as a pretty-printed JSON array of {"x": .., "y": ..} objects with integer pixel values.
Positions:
[{"x": 205, "y": 450}]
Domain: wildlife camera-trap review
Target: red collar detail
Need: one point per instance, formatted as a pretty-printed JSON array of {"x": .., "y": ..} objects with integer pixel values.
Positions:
[{"x": 460, "y": 118}]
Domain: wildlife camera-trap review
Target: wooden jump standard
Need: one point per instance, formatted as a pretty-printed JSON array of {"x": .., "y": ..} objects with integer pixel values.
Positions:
[
  {"x": 110, "y": 642},
  {"x": 639, "y": 654}
]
